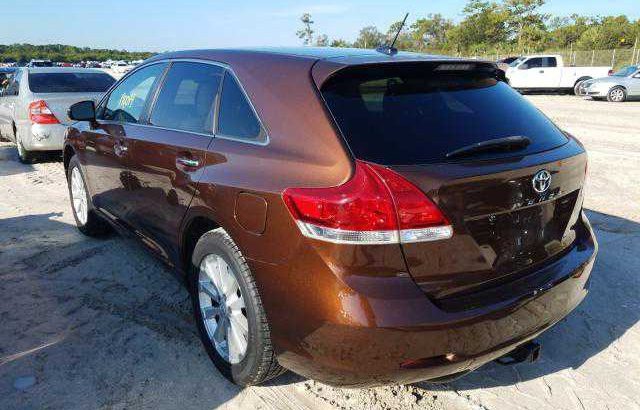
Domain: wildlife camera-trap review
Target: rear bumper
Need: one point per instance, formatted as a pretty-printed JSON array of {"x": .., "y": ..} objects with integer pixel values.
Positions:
[
  {"x": 410, "y": 339},
  {"x": 44, "y": 137}
]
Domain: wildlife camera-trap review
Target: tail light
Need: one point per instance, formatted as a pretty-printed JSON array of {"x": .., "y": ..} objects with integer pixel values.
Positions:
[
  {"x": 39, "y": 113},
  {"x": 376, "y": 206},
  {"x": 611, "y": 72}
]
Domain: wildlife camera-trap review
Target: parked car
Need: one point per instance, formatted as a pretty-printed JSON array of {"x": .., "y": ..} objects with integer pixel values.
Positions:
[
  {"x": 622, "y": 85},
  {"x": 5, "y": 75},
  {"x": 356, "y": 217},
  {"x": 34, "y": 103},
  {"x": 40, "y": 63},
  {"x": 504, "y": 63},
  {"x": 549, "y": 73}
]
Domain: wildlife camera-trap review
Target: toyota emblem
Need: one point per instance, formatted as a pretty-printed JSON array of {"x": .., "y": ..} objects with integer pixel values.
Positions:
[{"x": 541, "y": 181}]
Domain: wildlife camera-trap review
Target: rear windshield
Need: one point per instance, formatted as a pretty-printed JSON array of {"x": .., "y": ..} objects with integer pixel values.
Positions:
[
  {"x": 69, "y": 82},
  {"x": 417, "y": 113}
]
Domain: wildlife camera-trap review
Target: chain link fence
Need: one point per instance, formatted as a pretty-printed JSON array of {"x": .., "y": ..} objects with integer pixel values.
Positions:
[{"x": 616, "y": 58}]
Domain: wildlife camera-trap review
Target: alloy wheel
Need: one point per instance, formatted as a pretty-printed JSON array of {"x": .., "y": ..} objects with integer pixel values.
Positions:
[
  {"x": 79, "y": 196},
  {"x": 617, "y": 95},
  {"x": 223, "y": 309}
]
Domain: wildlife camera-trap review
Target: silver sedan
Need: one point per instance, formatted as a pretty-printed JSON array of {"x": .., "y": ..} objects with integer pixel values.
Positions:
[
  {"x": 618, "y": 87},
  {"x": 34, "y": 104}
]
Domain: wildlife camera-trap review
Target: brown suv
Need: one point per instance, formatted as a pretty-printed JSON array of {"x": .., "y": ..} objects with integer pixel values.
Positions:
[{"x": 356, "y": 217}]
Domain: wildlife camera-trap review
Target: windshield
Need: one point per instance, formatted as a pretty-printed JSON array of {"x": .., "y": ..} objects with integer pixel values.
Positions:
[
  {"x": 516, "y": 61},
  {"x": 404, "y": 114},
  {"x": 626, "y": 71},
  {"x": 69, "y": 82}
]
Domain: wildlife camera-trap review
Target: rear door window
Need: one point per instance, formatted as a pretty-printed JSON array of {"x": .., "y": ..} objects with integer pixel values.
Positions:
[
  {"x": 126, "y": 102},
  {"x": 550, "y": 62},
  {"x": 237, "y": 118},
  {"x": 187, "y": 98},
  {"x": 416, "y": 114},
  {"x": 70, "y": 82}
]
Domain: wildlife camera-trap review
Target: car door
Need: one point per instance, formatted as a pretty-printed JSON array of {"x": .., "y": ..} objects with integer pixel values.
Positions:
[
  {"x": 634, "y": 85},
  {"x": 8, "y": 102},
  {"x": 107, "y": 141},
  {"x": 525, "y": 75},
  {"x": 550, "y": 74},
  {"x": 168, "y": 154}
]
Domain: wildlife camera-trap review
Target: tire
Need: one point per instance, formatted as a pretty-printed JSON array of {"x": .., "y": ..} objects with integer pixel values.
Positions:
[
  {"x": 90, "y": 224},
  {"x": 215, "y": 250},
  {"x": 576, "y": 87},
  {"x": 26, "y": 157},
  {"x": 617, "y": 94}
]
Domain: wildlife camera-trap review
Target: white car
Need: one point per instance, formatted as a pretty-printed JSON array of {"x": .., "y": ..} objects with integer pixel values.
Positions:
[
  {"x": 549, "y": 73},
  {"x": 34, "y": 104}
]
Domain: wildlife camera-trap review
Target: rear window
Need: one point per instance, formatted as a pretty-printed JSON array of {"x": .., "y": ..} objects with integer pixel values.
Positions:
[
  {"x": 417, "y": 113},
  {"x": 69, "y": 82}
]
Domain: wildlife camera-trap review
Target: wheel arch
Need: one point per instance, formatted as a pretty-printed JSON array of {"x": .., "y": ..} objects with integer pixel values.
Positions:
[
  {"x": 67, "y": 154},
  {"x": 583, "y": 78},
  {"x": 194, "y": 226}
]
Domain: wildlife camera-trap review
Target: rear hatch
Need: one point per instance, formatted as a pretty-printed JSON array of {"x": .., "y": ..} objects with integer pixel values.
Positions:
[
  {"x": 512, "y": 207},
  {"x": 60, "y": 89}
]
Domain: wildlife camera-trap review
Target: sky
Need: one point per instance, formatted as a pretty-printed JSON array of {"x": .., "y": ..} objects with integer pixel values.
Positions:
[{"x": 159, "y": 25}]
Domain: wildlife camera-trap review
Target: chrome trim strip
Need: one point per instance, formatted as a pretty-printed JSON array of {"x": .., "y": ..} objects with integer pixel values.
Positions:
[{"x": 347, "y": 237}]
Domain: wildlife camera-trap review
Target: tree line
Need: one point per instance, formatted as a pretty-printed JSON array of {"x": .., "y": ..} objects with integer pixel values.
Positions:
[
  {"x": 493, "y": 27},
  {"x": 23, "y": 53}
]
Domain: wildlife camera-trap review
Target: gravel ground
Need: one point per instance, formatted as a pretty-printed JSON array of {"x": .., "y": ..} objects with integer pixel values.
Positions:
[{"x": 88, "y": 323}]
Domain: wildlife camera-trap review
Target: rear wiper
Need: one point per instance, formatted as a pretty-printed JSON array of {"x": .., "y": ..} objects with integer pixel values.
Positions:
[{"x": 514, "y": 143}]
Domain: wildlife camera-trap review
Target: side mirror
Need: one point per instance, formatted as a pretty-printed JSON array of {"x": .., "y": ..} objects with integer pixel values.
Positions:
[
  {"x": 523, "y": 66},
  {"x": 83, "y": 111}
]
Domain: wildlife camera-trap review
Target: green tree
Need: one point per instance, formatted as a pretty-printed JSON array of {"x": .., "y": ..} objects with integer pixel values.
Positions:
[
  {"x": 525, "y": 21},
  {"x": 338, "y": 42},
  {"x": 431, "y": 32},
  {"x": 306, "y": 33},
  {"x": 369, "y": 37},
  {"x": 322, "y": 40}
]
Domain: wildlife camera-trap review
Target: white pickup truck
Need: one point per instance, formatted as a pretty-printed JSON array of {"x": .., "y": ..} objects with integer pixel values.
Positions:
[{"x": 548, "y": 72}]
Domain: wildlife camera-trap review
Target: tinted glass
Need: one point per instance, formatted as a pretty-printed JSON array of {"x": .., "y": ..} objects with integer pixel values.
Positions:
[
  {"x": 70, "y": 82},
  {"x": 413, "y": 114},
  {"x": 626, "y": 71},
  {"x": 186, "y": 101},
  {"x": 550, "y": 62},
  {"x": 533, "y": 63},
  {"x": 127, "y": 101},
  {"x": 236, "y": 118},
  {"x": 13, "y": 86}
]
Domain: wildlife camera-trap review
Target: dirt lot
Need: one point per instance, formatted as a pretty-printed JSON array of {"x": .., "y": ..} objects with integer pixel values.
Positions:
[{"x": 100, "y": 324}]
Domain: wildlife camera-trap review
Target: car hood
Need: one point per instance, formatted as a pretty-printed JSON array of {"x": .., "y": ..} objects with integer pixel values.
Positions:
[{"x": 610, "y": 81}]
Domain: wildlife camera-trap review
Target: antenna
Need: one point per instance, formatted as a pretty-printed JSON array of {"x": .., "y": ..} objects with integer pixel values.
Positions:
[{"x": 390, "y": 49}]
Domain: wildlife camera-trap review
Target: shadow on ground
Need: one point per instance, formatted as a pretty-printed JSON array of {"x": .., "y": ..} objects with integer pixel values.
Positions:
[
  {"x": 101, "y": 323},
  {"x": 606, "y": 314},
  {"x": 11, "y": 165}
]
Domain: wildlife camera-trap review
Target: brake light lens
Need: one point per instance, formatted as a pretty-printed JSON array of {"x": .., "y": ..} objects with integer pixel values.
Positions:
[
  {"x": 376, "y": 206},
  {"x": 39, "y": 113}
]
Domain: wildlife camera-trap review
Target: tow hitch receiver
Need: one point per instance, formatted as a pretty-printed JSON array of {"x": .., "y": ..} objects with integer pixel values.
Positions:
[{"x": 528, "y": 352}]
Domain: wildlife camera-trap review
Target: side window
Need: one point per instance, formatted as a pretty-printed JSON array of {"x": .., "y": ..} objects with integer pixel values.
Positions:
[
  {"x": 127, "y": 101},
  {"x": 533, "y": 63},
  {"x": 13, "y": 88},
  {"x": 236, "y": 118},
  {"x": 550, "y": 62},
  {"x": 187, "y": 98}
]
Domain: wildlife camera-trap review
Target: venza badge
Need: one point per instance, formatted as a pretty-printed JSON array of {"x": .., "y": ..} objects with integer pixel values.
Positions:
[{"x": 541, "y": 181}]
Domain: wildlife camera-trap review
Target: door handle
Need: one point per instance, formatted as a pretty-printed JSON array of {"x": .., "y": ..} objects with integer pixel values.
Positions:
[
  {"x": 188, "y": 162},
  {"x": 541, "y": 71}
]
